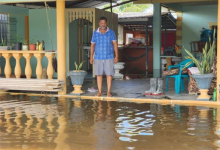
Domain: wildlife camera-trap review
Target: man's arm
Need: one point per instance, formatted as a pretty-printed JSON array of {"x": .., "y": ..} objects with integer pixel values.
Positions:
[
  {"x": 115, "y": 45},
  {"x": 92, "y": 49}
]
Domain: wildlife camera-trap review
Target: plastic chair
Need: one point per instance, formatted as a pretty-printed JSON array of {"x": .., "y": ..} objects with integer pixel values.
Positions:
[{"x": 179, "y": 78}]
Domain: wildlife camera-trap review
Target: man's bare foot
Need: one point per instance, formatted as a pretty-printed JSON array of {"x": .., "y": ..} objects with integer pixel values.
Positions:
[
  {"x": 109, "y": 94},
  {"x": 98, "y": 94}
]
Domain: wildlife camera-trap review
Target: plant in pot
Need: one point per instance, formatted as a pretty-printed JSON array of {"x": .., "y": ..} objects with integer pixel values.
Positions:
[
  {"x": 3, "y": 44},
  {"x": 204, "y": 65},
  {"x": 18, "y": 42},
  {"x": 77, "y": 78},
  {"x": 32, "y": 46},
  {"x": 25, "y": 45}
]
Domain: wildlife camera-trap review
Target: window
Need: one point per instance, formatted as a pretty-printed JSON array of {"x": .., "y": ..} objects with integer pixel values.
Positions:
[
  {"x": 4, "y": 28},
  {"x": 128, "y": 35}
]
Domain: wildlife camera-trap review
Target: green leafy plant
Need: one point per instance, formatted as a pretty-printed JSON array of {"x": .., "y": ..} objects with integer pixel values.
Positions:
[
  {"x": 78, "y": 67},
  {"x": 18, "y": 39},
  {"x": 32, "y": 41},
  {"x": 3, "y": 41},
  {"x": 206, "y": 60},
  {"x": 24, "y": 42}
]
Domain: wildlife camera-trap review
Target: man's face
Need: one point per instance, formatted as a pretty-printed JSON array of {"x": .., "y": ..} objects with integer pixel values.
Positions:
[{"x": 103, "y": 24}]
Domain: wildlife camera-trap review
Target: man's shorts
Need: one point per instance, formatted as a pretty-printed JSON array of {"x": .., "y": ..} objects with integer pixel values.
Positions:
[{"x": 102, "y": 66}]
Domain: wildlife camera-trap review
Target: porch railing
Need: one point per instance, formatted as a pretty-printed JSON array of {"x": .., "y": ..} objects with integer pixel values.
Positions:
[{"x": 28, "y": 69}]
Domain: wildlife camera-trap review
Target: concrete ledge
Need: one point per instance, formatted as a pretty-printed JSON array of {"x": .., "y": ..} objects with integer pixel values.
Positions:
[{"x": 133, "y": 100}]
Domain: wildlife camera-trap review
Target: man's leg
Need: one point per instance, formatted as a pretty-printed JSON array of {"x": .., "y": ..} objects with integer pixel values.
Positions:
[
  {"x": 99, "y": 83},
  {"x": 109, "y": 85}
]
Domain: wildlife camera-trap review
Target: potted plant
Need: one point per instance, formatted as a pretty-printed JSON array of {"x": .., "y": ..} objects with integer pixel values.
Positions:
[
  {"x": 204, "y": 65},
  {"x": 77, "y": 77},
  {"x": 25, "y": 45},
  {"x": 3, "y": 44},
  {"x": 32, "y": 46},
  {"x": 18, "y": 42}
]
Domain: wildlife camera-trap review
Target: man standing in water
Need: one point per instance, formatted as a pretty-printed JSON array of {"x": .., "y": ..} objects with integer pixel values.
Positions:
[{"x": 104, "y": 44}]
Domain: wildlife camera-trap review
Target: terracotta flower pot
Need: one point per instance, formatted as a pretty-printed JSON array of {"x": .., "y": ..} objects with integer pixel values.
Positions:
[{"x": 32, "y": 47}]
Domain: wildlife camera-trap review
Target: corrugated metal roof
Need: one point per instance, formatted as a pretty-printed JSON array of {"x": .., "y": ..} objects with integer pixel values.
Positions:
[{"x": 71, "y": 4}]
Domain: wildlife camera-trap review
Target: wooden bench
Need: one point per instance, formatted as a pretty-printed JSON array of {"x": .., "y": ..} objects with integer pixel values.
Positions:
[{"x": 42, "y": 85}]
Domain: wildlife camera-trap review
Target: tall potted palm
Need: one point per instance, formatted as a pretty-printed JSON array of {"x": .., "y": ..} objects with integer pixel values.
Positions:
[
  {"x": 77, "y": 78},
  {"x": 204, "y": 65}
]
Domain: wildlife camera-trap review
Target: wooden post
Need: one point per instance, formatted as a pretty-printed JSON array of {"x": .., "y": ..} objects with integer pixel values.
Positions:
[
  {"x": 61, "y": 43},
  {"x": 27, "y": 29}
]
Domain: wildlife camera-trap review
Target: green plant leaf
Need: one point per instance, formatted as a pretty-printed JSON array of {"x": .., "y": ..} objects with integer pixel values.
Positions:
[
  {"x": 207, "y": 58},
  {"x": 81, "y": 64},
  {"x": 76, "y": 66}
]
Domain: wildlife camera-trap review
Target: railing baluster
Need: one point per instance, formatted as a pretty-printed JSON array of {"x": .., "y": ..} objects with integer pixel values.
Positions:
[
  {"x": 50, "y": 69},
  {"x": 17, "y": 56},
  {"x": 39, "y": 69},
  {"x": 7, "y": 57},
  {"x": 28, "y": 69}
]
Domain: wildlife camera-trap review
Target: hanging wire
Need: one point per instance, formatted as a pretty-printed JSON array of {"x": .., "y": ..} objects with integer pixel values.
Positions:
[{"x": 48, "y": 21}]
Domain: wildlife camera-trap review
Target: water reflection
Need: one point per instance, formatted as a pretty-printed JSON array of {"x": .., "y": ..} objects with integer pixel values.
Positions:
[{"x": 28, "y": 122}]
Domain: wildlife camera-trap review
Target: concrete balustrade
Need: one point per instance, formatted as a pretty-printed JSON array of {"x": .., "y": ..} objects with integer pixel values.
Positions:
[{"x": 28, "y": 69}]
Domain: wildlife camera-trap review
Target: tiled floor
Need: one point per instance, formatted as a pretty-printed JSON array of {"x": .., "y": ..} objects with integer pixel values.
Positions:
[{"x": 133, "y": 88}]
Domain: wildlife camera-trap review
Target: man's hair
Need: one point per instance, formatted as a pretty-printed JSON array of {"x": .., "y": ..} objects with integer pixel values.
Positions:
[{"x": 103, "y": 18}]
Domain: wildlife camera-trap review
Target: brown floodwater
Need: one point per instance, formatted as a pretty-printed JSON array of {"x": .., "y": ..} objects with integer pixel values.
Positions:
[{"x": 43, "y": 123}]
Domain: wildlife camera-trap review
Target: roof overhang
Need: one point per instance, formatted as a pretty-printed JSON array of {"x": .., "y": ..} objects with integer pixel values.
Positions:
[
  {"x": 31, "y": 1},
  {"x": 170, "y": 1}
]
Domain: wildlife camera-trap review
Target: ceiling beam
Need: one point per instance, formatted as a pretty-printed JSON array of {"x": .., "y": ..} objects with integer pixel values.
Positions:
[
  {"x": 30, "y": 1},
  {"x": 129, "y": 1}
]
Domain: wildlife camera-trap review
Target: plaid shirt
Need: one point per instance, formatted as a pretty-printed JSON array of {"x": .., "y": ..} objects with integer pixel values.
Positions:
[{"x": 103, "y": 44}]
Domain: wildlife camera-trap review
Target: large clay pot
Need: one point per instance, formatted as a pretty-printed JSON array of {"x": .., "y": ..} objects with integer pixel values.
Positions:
[
  {"x": 77, "y": 79},
  {"x": 203, "y": 82}
]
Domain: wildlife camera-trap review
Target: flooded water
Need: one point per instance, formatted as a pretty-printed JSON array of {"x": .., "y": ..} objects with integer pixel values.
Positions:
[{"x": 43, "y": 123}]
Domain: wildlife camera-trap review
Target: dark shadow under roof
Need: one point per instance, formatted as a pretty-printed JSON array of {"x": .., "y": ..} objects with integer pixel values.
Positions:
[{"x": 72, "y": 4}]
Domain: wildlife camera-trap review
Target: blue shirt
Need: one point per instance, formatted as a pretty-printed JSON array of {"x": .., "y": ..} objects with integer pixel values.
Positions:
[{"x": 103, "y": 44}]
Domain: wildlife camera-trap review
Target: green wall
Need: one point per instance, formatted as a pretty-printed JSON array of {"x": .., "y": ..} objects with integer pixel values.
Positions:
[
  {"x": 194, "y": 19},
  {"x": 38, "y": 30},
  {"x": 73, "y": 44},
  {"x": 18, "y": 15}
]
